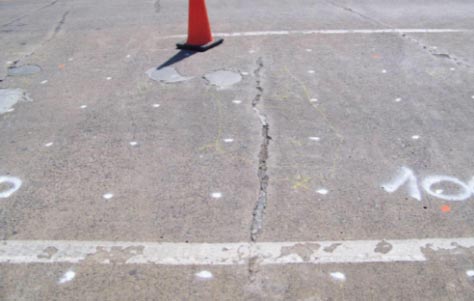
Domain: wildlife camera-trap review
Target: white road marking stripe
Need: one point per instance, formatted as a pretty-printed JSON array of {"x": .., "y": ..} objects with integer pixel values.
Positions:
[
  {"x": 268, "y": 253},
  {"x": 325, "y": 31}
]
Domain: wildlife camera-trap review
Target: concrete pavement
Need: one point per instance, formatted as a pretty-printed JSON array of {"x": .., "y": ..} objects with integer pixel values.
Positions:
[{"x": 345, "y": 143}]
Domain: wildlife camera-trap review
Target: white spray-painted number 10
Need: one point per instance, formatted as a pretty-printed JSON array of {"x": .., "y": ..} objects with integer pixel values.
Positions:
[{"x": 406, "y": 176}]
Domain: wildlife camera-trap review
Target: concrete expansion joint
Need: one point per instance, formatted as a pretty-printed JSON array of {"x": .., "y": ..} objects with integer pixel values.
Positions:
[{"x": 259, "y": 209}]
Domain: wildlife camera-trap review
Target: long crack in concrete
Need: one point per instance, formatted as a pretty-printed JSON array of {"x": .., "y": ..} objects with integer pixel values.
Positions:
[{"x": 259, "y": 210}]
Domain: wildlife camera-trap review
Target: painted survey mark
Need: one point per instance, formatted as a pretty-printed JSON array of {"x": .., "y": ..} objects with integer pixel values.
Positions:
[
  {"x": 13, "y": 184},
  {"x": 406, "y": 177}
]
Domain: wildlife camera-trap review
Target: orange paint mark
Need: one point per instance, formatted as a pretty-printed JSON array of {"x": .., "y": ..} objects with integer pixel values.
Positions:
[
  {"x": 61, "y": 66},
  {"x": 446, "y": 208},
  {"x": 376, "y": 56}
]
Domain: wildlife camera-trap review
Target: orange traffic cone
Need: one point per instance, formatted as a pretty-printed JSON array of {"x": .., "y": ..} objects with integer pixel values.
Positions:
[{"x": 199, "y": 29}]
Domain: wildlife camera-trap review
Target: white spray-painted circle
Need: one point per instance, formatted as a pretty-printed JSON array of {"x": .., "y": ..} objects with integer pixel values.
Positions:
[
  {"x": 322, "y": 191},
  {"x": 461, "y": 196},
  {"x": 108, "y": 196},
  {"x": 216, "y": 195},
  {"x": 338, "y": 276},
  {"x": 68, "y": 276},
  {"x": 14, "y": 182},
  {"x": 204, "y": 275}
]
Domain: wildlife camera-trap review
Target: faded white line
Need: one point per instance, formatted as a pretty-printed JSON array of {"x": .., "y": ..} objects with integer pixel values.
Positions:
[
  {"x": 269, "y": 253},
  {"x": 326, "y": 32}
]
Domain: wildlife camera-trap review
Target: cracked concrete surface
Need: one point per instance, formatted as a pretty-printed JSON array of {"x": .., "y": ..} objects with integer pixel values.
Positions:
[{"x": 295, "y": 153}]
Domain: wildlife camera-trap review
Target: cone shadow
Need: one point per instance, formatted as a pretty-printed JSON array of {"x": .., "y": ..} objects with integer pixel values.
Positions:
[{"x": 181, "y": 55}]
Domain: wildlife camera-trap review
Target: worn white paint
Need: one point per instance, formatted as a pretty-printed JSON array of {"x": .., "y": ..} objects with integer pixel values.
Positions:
[
  {"x": 49, "y": 144},
  {"x": 314, "y": 138},
  {"x": 313, "y": 100},
  {"x": 44, "y": 82},
  {"x": 415, "y": 137},
  {"x": 206, "y": 275},
  {"x": 133, "y": 143},
  {"x": 68, "y": 276},
  {"x": 15, "y": 184},
  {"x": 108, "y": 196},
  {"x": 311, "y": 71},
  {"x": 228, "y": 140},
  {"x": 404, "y": 175},
  {"x": 109, "y": 78},
  {"x": 462, "y": 195},
  {"x": 384, "y": 71},
  {"x": 328, "y": 32},
  {"x": 338, "y": 276},
  {"x": 216, "y": 195},
  {"x": 236, "y": 253},
  {"x": 237, "y": 102},
  {"x": 398, "y": 99}
]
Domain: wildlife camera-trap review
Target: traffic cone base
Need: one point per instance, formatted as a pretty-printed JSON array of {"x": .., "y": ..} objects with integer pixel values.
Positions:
[{"x": 200, "y": 48}]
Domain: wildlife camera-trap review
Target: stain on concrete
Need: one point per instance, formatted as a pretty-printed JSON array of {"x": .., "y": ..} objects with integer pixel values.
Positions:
[
  {"x": 48, "y": 253},
  {"x": 167, "y": 75},
  {"x": 114, "y": 255},
  {"x": 303, "y": 250},
  {"x": 223, "y": 78},
  {"x": 332, "y": 247},
  {"x": 23, "y": 70},
  {"x": 383, "y": 247},
  {"x": 10, "y": 97}
]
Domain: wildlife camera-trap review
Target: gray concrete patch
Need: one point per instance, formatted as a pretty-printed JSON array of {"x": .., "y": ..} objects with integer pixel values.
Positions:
[
  {"x": 23, "y": 70},
  {"x": 223, "y": 78}
]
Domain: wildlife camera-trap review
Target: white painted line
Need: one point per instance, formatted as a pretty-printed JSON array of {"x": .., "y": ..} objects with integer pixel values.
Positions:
[
  {"x": 326, "y": 31},
  {"x": 270, "y": 253}
]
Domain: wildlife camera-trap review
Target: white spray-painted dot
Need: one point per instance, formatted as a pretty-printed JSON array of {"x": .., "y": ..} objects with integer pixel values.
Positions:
[
  {"x": 384, "y": 71},
  {"x": 68, "y": 276},
  {"x": 322, "y": 191},
  {"x": 415, "y": 137},
  {"x": 309, "y": 50},
  {"x": 70, "y": 59},
  {"x": 49, "y": 144},
  {"x": 14, "y": 182},
  {"x": 108, "y": 196},
  {"x": 133, "y": 143},
  {"x": 470, "y": 273},
  {"x": 472, "y": 96},
  {"x": 44, "y": 82},
  {"x": 83, "y": 107},
  {"x": 109, "y": 78},
  {"x": 228, "y": 140},
  {"x": 311, "y": 71},
  {"x": 252, "y": 51},
  {"x": 216, "y": 195},
  {"x": 237, "y": 102},
  {"x": 452, "y": 69},
  {"x": 156, "y": 105},
  {"x": 204, "y": 275},
  {"x": 398, "y": 99},
  {"x": 128, "y": 56},
  {"x": 313, "y": 100},
  {"x": 434, "y": 47},
  {"x": 8, "y": 62},
  {"x": 338, "y": 276},
  {"x": 314, "y": 138}
]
